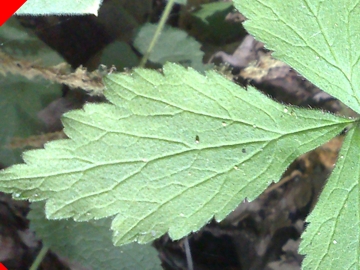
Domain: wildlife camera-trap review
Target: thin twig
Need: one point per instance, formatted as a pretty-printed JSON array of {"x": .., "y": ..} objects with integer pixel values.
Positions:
[
  {"x": 39, "y": 258},
  {"x": 81, "y": 78},
  {"x": 189, "y": 260}
]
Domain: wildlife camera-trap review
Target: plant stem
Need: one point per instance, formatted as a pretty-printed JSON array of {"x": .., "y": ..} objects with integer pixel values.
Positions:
[
  {"x": 160, "y": 27},
  {"x": 39, "y": 258},
  {"x": 189, "y": 260}
]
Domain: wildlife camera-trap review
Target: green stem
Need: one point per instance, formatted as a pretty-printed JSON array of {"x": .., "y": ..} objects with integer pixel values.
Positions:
[
  {"x": 160, "y": 27},
  {"x": 39, "y": 258}
]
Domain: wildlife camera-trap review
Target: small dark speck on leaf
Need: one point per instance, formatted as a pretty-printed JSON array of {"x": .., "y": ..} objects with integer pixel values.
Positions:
[
  {"x": 344, "y": 131},
  {"x": 243, "y": 150},
  {"x": 197, "y": 139}
]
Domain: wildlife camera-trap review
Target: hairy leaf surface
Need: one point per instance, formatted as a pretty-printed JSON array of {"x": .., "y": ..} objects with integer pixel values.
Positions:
[
  {"x": 171, "y": 151},
  {"x": 332, "y": 239},
  {"x": 320, "y": 39},
  {"x": 90, "y": 244},
  {"x": 47, "y": 7}
]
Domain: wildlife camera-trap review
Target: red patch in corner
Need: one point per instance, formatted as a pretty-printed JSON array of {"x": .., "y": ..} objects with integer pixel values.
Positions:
[
  {"x": 2, "y": 267},
  {"x": 8, "y": 8}
]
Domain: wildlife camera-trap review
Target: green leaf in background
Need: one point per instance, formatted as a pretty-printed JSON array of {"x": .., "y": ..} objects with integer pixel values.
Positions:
[
  {"x": 22, "y": 99},
  {"x": 168, "y": 154},
  {"x": 332, "y": 239},
  {"x": 89, "y": 243},
  {"x": 173, "y": 45},
  {"x": 59, "y": 7},
  {"x": 320, "y": 39},
  {"x": 211, "y": 26},
  {"x": 120, "y": 55},
  {"x": 17, "y": 41},
  {"x": 181, "y": 2},
  {"x": 208, "y": 10}
]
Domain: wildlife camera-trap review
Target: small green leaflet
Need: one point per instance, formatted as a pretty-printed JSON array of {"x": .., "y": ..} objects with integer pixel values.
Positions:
[
  {"x": 171, "y": 151},
  {"x": 90, "y": 244},
  {"x": 173, "y": 45},
  {"x": 210, "y": 9},
  {"x": 320, "y": 39},
  {"x": 332, "y": 239},
  {"x": 46, "y": 7}
]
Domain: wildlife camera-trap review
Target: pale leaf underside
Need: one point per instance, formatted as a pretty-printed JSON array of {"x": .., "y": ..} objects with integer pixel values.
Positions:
[
  {"x": 320, "y": 39},
  {"x": 332, "y": 240},
  {"x": 168, "y": 154},
  {"x": 59, "y": 7}
]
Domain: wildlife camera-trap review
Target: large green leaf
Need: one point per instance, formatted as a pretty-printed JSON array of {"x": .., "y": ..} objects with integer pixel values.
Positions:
[
  {"x": 332, "y": 239},
  {"x": 45, "y": 7},
  {"x": 320, "y": 39},
  {"x": 169, "y": 153},
  {"x": 89, "y": 243}
]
